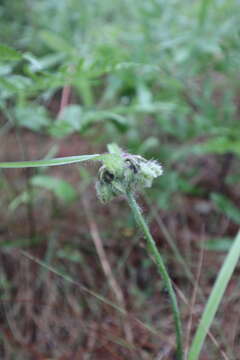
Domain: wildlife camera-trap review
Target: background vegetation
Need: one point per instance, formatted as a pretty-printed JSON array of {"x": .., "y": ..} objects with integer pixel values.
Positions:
[{"x": 161, "y": 79}]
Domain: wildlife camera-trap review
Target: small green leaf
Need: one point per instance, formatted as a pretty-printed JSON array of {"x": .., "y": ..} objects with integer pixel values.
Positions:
[
  {"x": 70, "y": 254},
  {"x": 226, "y": 206},
  {"x": 68, "y": 122},
  {"x": 23, "y": 198},
  {"x": 56, "y": 42},
  {"x": 61, "y": 188},
  {"x": 73, "y": 119},
  {"x": 219, "y": 145},
  {"x": 15, "y": 83},
  {"x": 7, "y": 53},
  {"x": 45, "y": 62},
  {"x": 114, "y": 149},
  {"x": 93, "y": 117},
  {"x": 20, "y": 243},
  {"x": 32, "y": 117},
  {"x": 218, "y": 244},
  {"x": 144, "y": 96}
]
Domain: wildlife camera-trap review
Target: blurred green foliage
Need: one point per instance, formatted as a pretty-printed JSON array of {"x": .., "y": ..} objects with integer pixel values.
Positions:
[{"x": 160, "y": 78}]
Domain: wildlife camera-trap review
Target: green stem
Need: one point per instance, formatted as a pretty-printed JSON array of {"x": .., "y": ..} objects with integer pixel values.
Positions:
[{"x": 161, "y": 268}]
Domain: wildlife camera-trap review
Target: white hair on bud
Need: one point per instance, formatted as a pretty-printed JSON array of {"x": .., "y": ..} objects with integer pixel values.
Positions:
[{"x": 133, "y": 175}]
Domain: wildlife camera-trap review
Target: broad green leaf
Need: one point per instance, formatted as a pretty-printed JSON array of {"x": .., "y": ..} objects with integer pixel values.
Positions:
[
  {"x": 144, "y": 96},
  {"x": 61, "y": 188},
  {"x": 219, "y": 145},
  {"x": 33, "y": 117},
  {"x": 150, "y": 143},
  {"x": 73, "y": 119},
  {"x": 15, "y": 83},
  {"x": 7, "y": 53},
  {"x": 6, "y": 69},
  {"x": 56, "y": 42},
  {"x": 45, "y": 62},
  {"x": 5, "y": 84},
  {"x": 68, "y": 122},
  {"x": 92, "y": 117},
  {"x": 203, "y": 10}
]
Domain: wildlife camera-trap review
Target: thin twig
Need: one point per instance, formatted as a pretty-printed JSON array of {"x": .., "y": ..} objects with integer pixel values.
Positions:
[
  {"x": 65, "y": 98},
  {"x": 170, "y": 241},
  {"x": 66, "y": 94},
  {"x": 193, "y": 301},
  {"x": 106, "y": 266}
]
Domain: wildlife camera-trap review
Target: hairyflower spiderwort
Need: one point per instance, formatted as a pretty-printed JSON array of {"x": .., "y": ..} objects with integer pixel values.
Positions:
[
  {"x": 132, "y": 174},
  {"x": 125, "y": 174}
]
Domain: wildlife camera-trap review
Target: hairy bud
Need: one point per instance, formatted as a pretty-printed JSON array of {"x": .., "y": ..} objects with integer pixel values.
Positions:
[{"x": 132, "y": 175}]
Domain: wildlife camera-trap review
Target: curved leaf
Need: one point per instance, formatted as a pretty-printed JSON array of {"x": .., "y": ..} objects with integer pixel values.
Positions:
[
  {"x": 51, "y": 162},
  {"x": 57, "y": 161}
]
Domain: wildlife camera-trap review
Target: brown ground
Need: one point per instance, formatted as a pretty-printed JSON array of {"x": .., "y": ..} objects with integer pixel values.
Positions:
[{"x": 44, "y": 316}]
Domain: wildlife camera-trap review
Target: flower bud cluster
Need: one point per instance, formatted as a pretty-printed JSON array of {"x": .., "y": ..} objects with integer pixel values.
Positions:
[{"x": 134, "y": 174}]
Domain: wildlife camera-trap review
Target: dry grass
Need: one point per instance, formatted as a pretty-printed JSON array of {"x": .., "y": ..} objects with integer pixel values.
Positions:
[{"x": 45, "y": 316}]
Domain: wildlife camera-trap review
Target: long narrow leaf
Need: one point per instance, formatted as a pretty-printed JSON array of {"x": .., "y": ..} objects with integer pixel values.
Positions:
[
  {"x": 53, "y": 162},
  {"x": 215, "y": 298}
]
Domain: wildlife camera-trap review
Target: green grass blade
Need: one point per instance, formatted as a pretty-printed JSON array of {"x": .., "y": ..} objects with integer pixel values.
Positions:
[
  {"x": 53, "y": 162},
  {"x": 215, "y": 298}
]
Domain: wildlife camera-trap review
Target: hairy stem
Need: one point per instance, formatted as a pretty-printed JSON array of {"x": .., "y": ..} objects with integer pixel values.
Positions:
[{"x": 153, "y": 251}]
